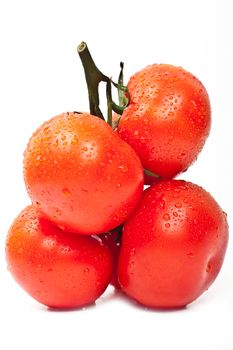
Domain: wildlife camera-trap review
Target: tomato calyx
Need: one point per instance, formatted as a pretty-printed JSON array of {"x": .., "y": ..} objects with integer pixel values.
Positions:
[
  {"x": 123, "y": 98},
  {"x": 122, "y": 89},
  {"x": 93, "y": 78},
  {"x": 123, "y": 92},
  {"x": 120, "y": 108}
]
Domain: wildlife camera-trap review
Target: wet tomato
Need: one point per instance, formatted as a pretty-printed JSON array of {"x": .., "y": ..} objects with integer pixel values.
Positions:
[
  {"x": 81, "y": 175},
  {"x": 60, "y": 270},
  {"x": 168, "y": 119},
  {"x": 173, "y": 245}
]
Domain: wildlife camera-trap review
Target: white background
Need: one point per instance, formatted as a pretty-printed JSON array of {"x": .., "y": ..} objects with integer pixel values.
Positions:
[{"x": 41, "y": 76}]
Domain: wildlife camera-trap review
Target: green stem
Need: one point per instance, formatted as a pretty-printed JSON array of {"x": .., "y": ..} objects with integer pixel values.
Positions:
[
  {"x": 123, "y": 100},
  {"x": 109, "y": 101},
  {"x": 122, "y": 90},
  {"x": 148, "y": 172},
  {"x": 121, "y": 83},
  {"x": 93, "y": 78}
]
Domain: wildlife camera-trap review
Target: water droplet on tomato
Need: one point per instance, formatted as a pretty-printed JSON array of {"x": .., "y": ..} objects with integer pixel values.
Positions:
[
  {"x": 58, "y": 213},
  {"x": 124, "y": 168},
  {"x": 132, "y": 263},
  {"x": 178, "y": 205},
  {"x": 86, "y": 270},
  {"x": 190, "y": 254},
  {"x": 208, "y": 267},
  {"x": 166, "y": 217},
  {"x": 167, "y": 225},
  {"x": 66, "y": 192},
  {"x": 162, "y": 204},
  {"x": 132, "y": 252}
]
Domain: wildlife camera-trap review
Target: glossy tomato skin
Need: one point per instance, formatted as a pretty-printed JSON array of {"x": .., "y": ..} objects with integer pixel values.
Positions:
[
  {"x": 58, "y": 269},
  {"x": 81, "y": 175},
  {"x": 173, "y": 245},
  {"x": 168, "y": 119}
]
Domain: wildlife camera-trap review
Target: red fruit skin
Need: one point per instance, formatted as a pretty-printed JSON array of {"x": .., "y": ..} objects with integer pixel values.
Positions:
[
  {"x": 168, "y": 119},
  {"x": 173, "y": 245},
  {"x": 58, "y": 269},
  {"x": 81, "y": 175}
]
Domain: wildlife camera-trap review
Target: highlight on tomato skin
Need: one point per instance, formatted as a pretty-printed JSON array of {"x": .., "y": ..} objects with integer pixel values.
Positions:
[
  {"x": 173, "y": 245},
  {"x": 168, "y": 119},
  {"x": 58, "y": 269},
  {"x": 81, "y": 174}
]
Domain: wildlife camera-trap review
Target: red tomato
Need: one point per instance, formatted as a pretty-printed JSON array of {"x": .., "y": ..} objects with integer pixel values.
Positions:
[
  {"x": 173, "y": 245},
  {"x": 168, "y": 119},
  {"x": 81, "y": 175},
  {"x": 60, "y": 270}
]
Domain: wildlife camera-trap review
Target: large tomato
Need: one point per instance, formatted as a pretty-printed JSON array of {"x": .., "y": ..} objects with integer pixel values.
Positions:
[
  {"x": 60, "y": 270},
  {"x": 81, "y": 175},
  {"x": 173, "y": 245},
  {"x": 168, "y": 119}
]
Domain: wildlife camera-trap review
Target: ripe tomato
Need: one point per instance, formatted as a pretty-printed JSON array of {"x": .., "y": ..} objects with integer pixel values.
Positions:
[
  {"x": 60, "y": 270},
  {"x": 173, "y": 245},
  {"x": 168, "y": 119},
  {"x": 81, "y": 175}
]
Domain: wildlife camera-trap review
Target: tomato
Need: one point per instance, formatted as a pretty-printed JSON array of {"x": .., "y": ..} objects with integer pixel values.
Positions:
[
  {"x": 81, "y": 175},
  {"x": 173, "y": 245},
  {"x": 168, "y": 119},
  {"x": 60, "y": 270},
  {"x": 113, "y": 241}
]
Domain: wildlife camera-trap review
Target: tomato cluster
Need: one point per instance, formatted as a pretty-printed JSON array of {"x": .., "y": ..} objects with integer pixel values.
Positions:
[{"x": 91, "y": 222}]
